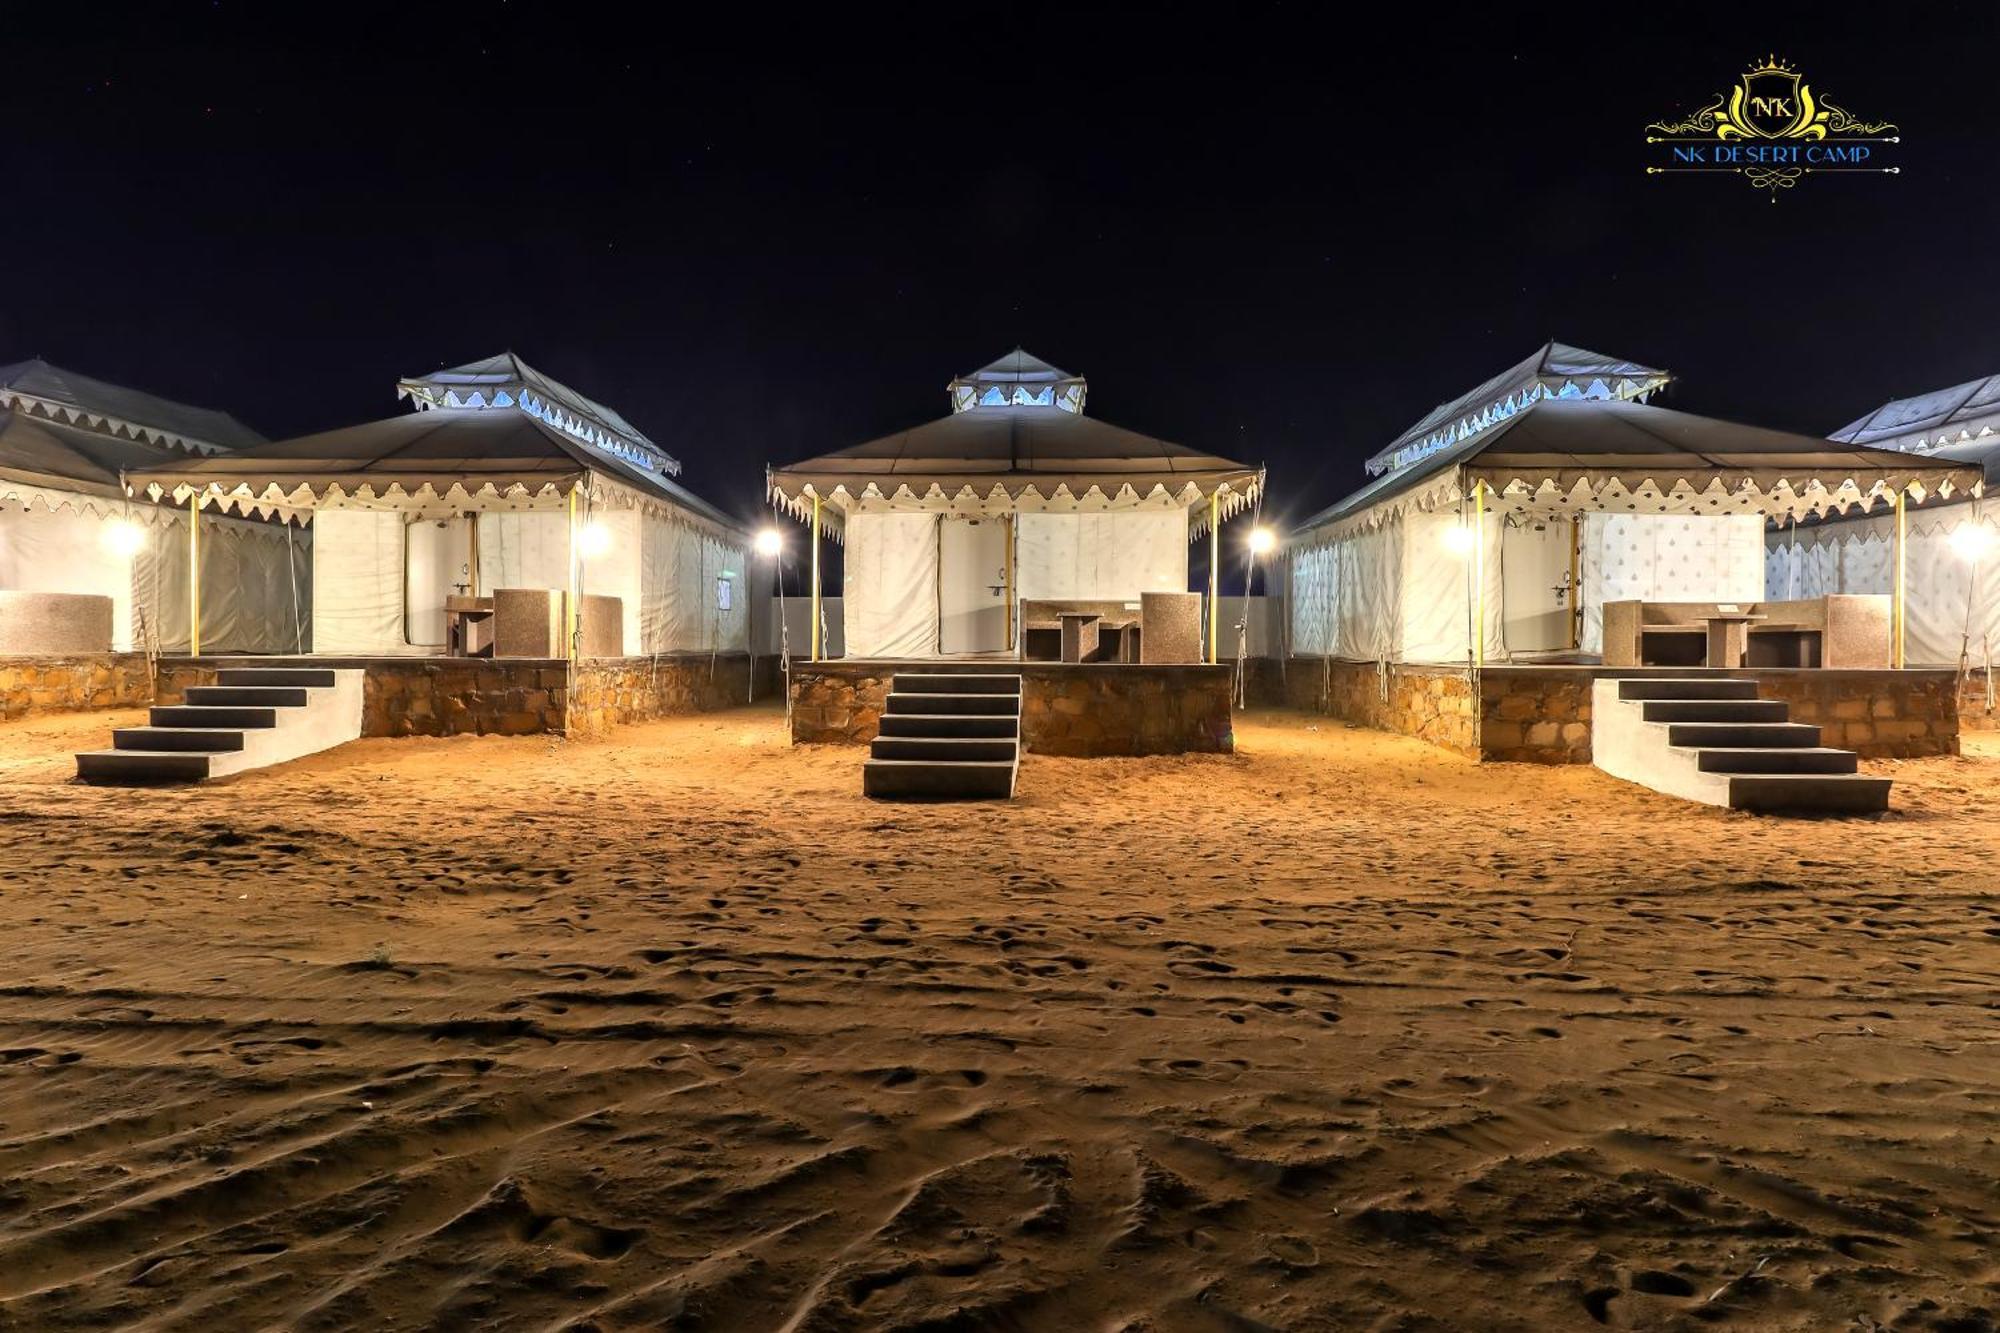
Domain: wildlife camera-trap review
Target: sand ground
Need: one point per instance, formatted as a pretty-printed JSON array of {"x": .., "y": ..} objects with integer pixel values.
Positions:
[{"x": 674, "y": 1030}]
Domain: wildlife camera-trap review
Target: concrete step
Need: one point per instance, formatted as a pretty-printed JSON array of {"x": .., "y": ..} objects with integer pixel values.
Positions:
[
  {"x": 1743, "y": 735},
  {"x": 208, "y": 740},
  {"x": 949, "y": 724},
  {"x": 1701, "y": 687},
  {"x": 204, "y": 715},
  {"x": 1818, "y": 759},
  {"x": 949, "y": 748},
  {"x": 989, "y": 704},
  {"x": 271, "y": 696},
  {"x": 137, "y": 767},
  {"x": 1809, "y": 794},
  {"x": 1715, "y": 710},
  {"x": 924, "y": 779},
  {"x": 957, "y": 683},
  {"x": 311, "y": 677},
  {"x": 276, "y": 715}
]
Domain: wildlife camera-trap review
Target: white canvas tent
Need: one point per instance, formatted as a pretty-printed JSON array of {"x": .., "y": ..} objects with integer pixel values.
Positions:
[
  {"x": 1016, "y": 496},
  {"x": 1589, "y": 493},
  {"x": 67, "y": 524},
  {"x": 1950, "y": 543},
  {"x": 503, "y": 478}
]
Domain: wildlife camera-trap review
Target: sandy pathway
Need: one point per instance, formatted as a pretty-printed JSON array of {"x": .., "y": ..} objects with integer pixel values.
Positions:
[{"x": 676, "y": 1031}]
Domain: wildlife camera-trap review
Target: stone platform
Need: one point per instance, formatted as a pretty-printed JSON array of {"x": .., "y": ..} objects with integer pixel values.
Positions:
[
  {"x": 1086, "y": 711},
  {"x": 1541, "y": 714}
]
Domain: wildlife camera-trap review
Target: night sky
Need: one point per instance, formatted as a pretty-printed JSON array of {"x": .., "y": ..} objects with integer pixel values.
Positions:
[{"x": 1256, "y": 232}]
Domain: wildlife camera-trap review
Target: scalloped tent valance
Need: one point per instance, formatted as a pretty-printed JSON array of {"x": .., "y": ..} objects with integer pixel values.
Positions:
[
  {"x": 1558, "y": 458},
  {"x": 498, "y": 458}
]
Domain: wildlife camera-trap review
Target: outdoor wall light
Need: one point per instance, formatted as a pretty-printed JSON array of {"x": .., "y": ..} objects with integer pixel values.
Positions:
[
  {"x": 1972, "y": 541},
  {"x": 770, "y": 542},
  {"x": 594, "y": 540},
  {"x": 1262, "y": 541},
  {"x": 1458, "y": 539},
  {"x": 123, "y": 538}
]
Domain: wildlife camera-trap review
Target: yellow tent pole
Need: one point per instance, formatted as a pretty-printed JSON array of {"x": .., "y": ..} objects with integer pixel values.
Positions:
[
  {"x": 194, "y": 574},
  {"x": 1897, "y": 615},
  {"x": 1479, "y": 573},
  {"x": 569, "y": 602},
  {"x": 815, "y": 572},
  {"x": 1214, "y": 569}
]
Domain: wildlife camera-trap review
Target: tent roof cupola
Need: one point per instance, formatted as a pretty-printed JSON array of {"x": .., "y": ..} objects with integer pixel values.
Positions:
[
  {"x": 1555, "y": 370},
  {"x": 1018, "y": 379},
  {"x": 506, "y": 381}
]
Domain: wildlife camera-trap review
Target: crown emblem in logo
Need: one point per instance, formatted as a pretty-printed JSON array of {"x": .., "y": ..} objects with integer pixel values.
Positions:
[{"x": 1773, "y": 105}]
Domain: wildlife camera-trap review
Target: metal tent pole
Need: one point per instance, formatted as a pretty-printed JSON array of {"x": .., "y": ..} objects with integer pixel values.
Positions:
[
  {"x": 1214, "y": 569},
  {"x": 815, "y": 588},
  {"x": 194, "y": 574}
]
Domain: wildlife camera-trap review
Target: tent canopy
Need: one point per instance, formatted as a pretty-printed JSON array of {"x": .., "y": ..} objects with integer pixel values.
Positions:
[
  {"x": 39, "y": 453},
  {"x": 491, "y": 451},
  {"x": 1555, "y": 370},
  {"x": 39, "y": 389},
  {"x": 1930, "y": 421},
  {"x": 507, "y": 381},
  {"x": 1008, "y": 455},
  {"x": 1562, "y": 456}
]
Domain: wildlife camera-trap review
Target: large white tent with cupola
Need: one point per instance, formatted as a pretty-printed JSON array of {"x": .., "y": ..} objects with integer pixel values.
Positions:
[
  {"x": 1015, "y": 496},
  {"x": 1498, "y": 526},
  {"x": 68, "y": 524},
  {"x": 500, "y": 477}
]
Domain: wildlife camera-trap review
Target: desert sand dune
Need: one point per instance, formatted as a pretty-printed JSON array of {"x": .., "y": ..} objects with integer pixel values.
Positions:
[{"x": 674, "y": 1030}]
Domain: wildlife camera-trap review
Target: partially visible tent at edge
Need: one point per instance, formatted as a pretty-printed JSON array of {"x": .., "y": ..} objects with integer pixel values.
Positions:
[
  {"x": 1555, "y": 481},
  {"x": 67, "y": 524},
  {"x": 1015, "y": 496},
  {"x": 1950, "y": 544},
  {"x": 500, "y": 478}
]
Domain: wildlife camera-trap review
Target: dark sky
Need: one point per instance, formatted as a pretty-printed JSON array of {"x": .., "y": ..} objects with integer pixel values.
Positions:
[{"x": 1255, "y": 230}]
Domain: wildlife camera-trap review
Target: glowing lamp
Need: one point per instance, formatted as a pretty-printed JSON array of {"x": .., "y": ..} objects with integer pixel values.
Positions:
[
  {"x": 769, "y": 542},
  {"x": 123, "y": 538},
  {"x": 1262, "y": 541},
  {"x": 1971, "y": 541},
  {"x": 594, "y": 540},
  {"x": 1458, "y": 539}
]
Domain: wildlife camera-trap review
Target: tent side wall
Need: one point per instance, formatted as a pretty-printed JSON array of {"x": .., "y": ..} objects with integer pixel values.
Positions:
[
  {"x": 256, "y": 595},
  {"x": 890, "y": 590},
  {"x": 1952, "y": 601},
  {"x": 1101, "y": 557},
  {"x": 1400, "y": 592}
]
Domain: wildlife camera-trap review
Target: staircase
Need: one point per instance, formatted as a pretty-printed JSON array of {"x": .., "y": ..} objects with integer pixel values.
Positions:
[
  {"x": 1713, "y": 740},
  {"x": 947, "y": 736},
  {"x": 251, "y": 717}
]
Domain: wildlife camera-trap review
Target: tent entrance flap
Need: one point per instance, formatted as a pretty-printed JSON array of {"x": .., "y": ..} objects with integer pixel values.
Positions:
[
  {"x": 437, "y": 562},
  {"x": 972, "y": 585}
]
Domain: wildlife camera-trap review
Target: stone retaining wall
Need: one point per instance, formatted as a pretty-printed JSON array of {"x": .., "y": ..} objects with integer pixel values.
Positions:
[
  {"x": 1431, "y": 703},
  {"x": 1541, "y": 714},
  {"x": 612, "y": 691},
  {"x": 511, "y": 696},
  {"x": 1973, "y": 714},
  {"x": 1091, "y": 711},
  {"x": 32, "y": 685}
]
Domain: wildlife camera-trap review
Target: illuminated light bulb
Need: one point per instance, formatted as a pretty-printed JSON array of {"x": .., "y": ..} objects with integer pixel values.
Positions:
[
  {"x": 1262, "y": 541},
  {"x": 122, "y": 537},
  {"x": 594, "y": 540},
  {"x": 1971, "y": 541},
  {"x": 769, "y": 542},
  {"x": 1458, "y": 539}
]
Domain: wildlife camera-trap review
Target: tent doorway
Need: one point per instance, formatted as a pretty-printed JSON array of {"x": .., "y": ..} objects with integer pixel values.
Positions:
[
  {"x": 972, "y": 585},
  {"x": 1536, "y": 585},
  {"x": 437, "y": 561}
]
